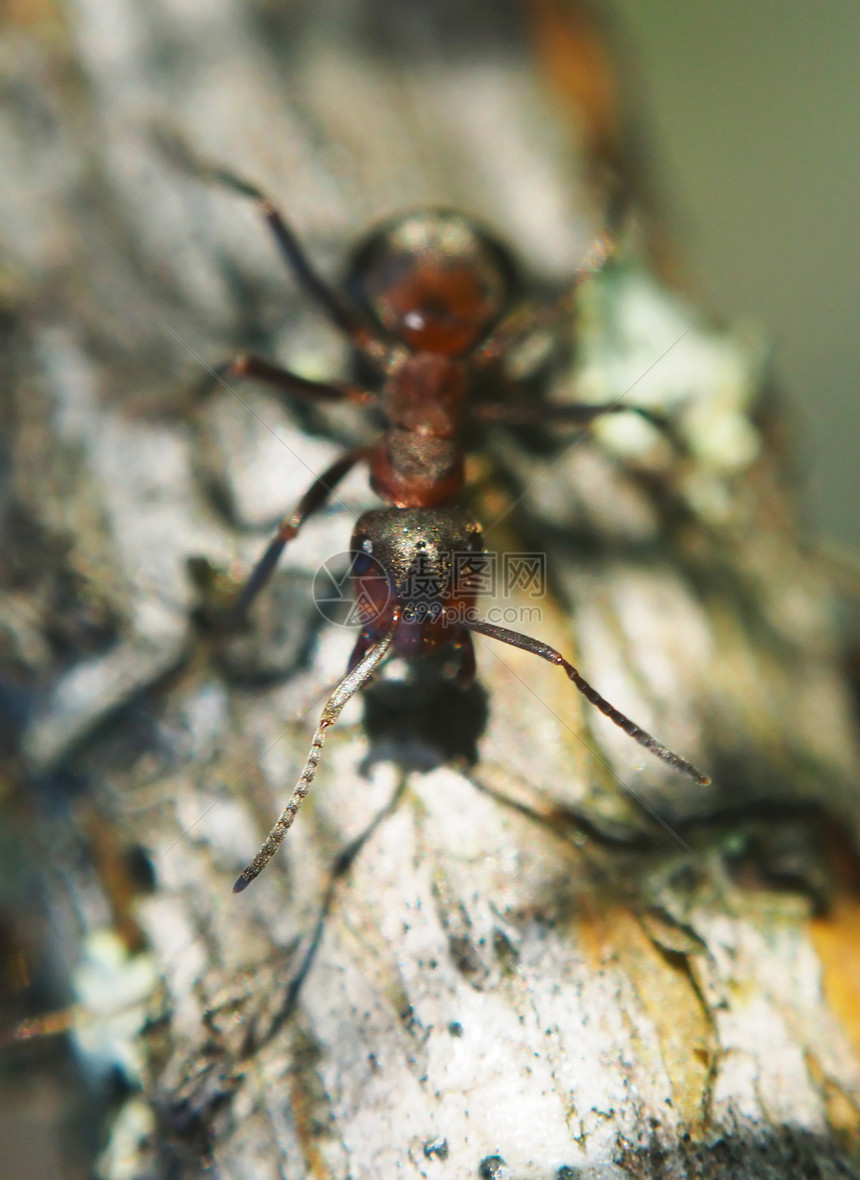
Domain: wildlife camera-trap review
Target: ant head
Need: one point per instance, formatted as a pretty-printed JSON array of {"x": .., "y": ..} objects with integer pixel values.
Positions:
[
  {"x": 434, "y": 280},
  {"x": 418, "y": 561}
]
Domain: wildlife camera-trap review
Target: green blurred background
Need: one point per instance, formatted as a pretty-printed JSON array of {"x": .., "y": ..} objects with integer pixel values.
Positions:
[{"x": 752, "y": 116}]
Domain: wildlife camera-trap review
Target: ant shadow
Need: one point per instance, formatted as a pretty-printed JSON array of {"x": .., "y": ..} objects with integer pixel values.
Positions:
[
  {"x": 418, "y": 724},
  {"x": 340, "y": 868},
  {"x": 423, "y": 721}
]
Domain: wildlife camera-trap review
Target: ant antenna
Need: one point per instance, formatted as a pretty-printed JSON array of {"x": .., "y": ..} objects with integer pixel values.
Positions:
[
  {"x": 515, "y": 639},
  {"x": 347, "y": 688}
]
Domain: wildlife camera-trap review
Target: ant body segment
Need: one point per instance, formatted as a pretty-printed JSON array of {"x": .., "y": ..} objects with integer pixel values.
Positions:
[{"x": 434, "y": 292}]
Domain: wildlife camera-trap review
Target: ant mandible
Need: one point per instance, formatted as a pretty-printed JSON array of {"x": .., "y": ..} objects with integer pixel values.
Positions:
[{"x": 434, "y": 292}]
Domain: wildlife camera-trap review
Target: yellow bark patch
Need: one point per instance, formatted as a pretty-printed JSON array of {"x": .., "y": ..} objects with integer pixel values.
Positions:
[
  {"x": 836, "y": 938},
  {"x": 667, "y": 995}
]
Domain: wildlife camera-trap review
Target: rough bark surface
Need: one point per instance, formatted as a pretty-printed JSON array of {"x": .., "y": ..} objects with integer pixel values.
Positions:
[{"x": 500, "y": 941}]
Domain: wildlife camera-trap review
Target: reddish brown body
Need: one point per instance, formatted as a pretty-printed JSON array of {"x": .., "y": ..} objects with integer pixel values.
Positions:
[
  {"x": 434, "y": 289},
  {"x": 416, "y": 566},
  {"x": 436, "y": 284},
  {"x": 418, "y": 462}
]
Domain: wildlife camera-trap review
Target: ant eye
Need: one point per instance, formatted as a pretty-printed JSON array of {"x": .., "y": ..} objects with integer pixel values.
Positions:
[
  {"x": 362, "y": 556},
  {"x": 362, "y": 564}
]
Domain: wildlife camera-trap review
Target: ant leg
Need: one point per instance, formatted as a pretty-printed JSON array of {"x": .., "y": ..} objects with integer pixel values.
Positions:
[
  {"x": 338, "y": 310},
  {"x": 355, "y": 679},
  {"x": 532, "y": 414},
  {"x": 332, "y": 303},
  {"x": 311, "y": 501},
  {"x": 465, "y": 674},
  {"x": 256, "y": 368},
  {"x": 527, "y": 643},
  {"x": 362, "y": 645},
  {"x": 513, "y": 330},
  {"x": 181, "y": 154}
]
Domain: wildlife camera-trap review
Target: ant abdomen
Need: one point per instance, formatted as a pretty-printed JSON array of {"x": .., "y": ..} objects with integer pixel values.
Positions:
[{"x": 433, "y": 279}]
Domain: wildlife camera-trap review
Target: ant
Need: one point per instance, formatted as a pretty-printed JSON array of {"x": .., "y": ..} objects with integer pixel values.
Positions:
[{"x": 431, "y": 314}]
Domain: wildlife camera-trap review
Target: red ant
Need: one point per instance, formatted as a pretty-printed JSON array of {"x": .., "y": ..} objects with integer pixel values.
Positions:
[{"x": 434, "y": 290}]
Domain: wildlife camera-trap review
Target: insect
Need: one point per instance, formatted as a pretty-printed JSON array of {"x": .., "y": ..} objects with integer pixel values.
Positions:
[{"x": 431, "y": 313}]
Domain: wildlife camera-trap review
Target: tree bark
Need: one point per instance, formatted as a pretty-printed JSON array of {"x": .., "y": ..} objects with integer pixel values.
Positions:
[{"x": 500, "y": 941}]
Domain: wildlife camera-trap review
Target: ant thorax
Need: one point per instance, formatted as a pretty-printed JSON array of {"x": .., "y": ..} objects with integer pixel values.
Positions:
[{"x": 418, "y": 462}]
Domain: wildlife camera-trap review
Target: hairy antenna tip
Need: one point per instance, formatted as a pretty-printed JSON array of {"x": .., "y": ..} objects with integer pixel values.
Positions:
[{"x": 242, "y": 883}]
